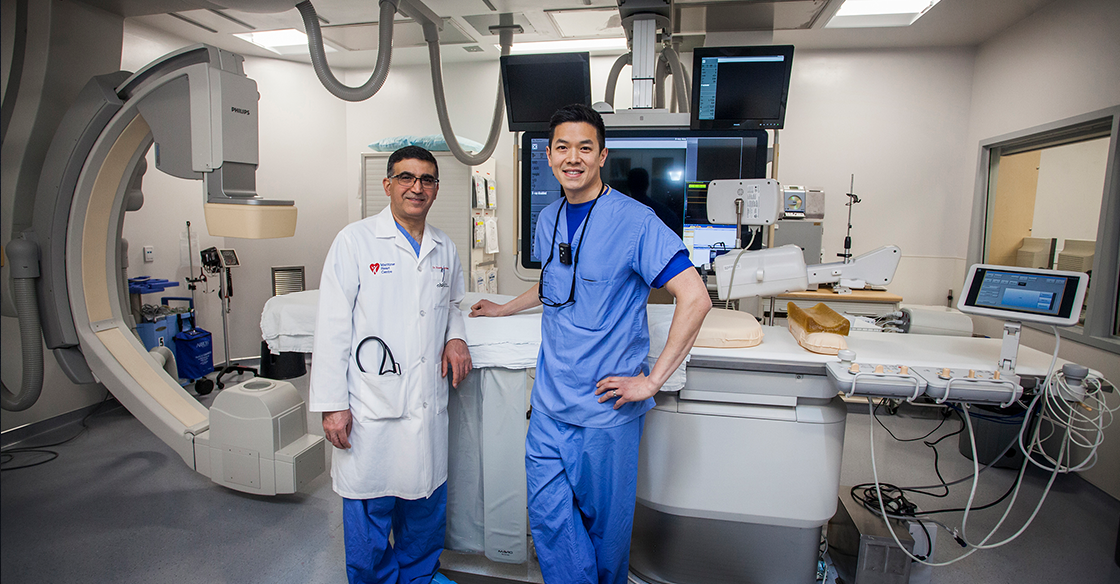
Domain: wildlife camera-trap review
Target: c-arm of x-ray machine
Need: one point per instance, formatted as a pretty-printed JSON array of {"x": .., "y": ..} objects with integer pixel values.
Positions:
[{"x": 200, "y": 110}]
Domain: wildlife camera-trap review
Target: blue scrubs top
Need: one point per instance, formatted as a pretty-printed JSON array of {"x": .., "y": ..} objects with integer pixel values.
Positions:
[{"x": 604, "y": 333}]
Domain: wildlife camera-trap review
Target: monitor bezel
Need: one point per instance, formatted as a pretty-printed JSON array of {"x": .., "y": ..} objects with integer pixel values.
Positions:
[
  {"x": 700, "y": 53},
  {"x": 541, "y": 59},
  {"x": 1068, "y": 314},
  {"x": 525, "y": 211}
]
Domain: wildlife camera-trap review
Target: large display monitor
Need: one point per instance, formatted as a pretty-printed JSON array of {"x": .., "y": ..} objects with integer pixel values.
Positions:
[
  {"x": 667, "y": 169},
  {"x": 740, "y": 87},
  {"x": 1024, "y": 295},
  {"x": 536, "y": 86}
]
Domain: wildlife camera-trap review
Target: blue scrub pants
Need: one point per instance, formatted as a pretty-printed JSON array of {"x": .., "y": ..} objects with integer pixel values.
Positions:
[
  {"x": 582, "y": 483},
  {"x": 418, "y": 528}
]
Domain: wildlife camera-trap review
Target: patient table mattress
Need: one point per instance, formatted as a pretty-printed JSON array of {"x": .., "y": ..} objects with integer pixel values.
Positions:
[{"x": 512, "y": 342}]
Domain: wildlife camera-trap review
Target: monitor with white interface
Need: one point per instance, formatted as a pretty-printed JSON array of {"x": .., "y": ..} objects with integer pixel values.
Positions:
[
  {"x": 705, "y": 242},
  {"x": 740, "y": 87},
  {"x": 668, "y": 170},
  {"x": 1024, "y": 295}
]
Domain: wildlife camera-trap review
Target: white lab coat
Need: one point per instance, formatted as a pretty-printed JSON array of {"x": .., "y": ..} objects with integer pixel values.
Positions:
[{"x": 373, "y": 284}]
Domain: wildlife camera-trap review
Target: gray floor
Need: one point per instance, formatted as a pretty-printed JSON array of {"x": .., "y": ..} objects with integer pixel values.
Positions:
[{"x": 119, "y": 506}]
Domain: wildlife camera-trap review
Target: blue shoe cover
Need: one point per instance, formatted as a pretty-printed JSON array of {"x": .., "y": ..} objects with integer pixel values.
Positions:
[{"x": 441, "y": 579}]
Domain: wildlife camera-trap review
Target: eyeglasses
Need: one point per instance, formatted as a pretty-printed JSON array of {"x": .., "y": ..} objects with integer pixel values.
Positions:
[{"x": 407, "y": 179}]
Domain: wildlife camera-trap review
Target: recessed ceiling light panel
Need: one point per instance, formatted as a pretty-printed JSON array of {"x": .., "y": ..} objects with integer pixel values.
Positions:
[
  {"x": 879, "y": 13},
  {"x": 615, "y": 45},
  {"x": 287, "y": 41}
]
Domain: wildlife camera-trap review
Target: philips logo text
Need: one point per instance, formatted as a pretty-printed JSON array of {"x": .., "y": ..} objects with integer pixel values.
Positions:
[{"x": 238, "y": 110}]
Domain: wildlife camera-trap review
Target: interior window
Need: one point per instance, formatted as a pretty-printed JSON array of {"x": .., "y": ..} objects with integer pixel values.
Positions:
[{"x": 1045, "y": 206}]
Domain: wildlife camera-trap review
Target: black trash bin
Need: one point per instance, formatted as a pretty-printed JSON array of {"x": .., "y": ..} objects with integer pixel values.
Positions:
[{"x": 283, "y": 366}]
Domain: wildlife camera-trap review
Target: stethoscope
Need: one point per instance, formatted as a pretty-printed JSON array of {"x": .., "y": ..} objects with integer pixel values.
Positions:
[
  {"x": 396, "y": 367},
  {"x": 566, "y": 251}
]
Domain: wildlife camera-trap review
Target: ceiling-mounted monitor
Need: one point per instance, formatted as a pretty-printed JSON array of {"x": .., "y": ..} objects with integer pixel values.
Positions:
[
  {"x": 740, "y": 87},
  {"x": 536, "y": 86}
]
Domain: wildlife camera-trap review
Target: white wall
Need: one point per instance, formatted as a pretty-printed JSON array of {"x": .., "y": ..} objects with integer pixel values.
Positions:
[
  {"x": 1061, "y": 61},
  {"x": 1067, "y": 202},
  {"x": 897, "y": 121}
]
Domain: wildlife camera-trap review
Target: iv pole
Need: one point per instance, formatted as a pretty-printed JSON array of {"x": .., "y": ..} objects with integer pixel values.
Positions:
[
  {"x": 852, "y": 200},
  {"x": 225, "y": 291}
]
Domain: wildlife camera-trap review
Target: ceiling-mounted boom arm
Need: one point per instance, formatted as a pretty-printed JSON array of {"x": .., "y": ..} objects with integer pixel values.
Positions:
[{"x": 319, "y": 56}]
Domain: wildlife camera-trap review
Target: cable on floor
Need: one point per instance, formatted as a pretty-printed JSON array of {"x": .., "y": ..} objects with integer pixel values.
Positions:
[{"x": 11, "y": 454}]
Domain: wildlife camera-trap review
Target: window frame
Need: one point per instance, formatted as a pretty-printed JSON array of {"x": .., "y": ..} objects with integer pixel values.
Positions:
[{"x": 1102, "y": 319}]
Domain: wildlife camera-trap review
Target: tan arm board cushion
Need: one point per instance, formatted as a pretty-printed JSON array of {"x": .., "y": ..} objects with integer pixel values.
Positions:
[
  {"x": 818, "y": 319},
  {"x": 729, "y": 329},
  {"x": 823, "y": 343}
]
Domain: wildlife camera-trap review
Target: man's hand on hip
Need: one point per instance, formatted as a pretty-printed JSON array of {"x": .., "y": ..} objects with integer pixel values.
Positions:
[
  {"x": 336, "y": 428},
  {"x": 456, "y": 360},
  {"x": 626, "y": 389}
]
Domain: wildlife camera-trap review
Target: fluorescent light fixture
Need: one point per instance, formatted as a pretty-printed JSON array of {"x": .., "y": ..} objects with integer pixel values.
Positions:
[
  {"x": 288, "y": 41},
  {"x": 879, "y": 13},
  {"x": 572, "y": 46}
]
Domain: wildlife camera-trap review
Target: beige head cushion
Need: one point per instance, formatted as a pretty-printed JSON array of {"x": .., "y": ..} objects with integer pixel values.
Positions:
[
  {"x": 823, "y": 343},
  {"x": 729, "y": 329}
]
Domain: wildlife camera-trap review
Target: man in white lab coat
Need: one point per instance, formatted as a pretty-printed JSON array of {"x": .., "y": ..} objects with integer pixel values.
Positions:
[{"x": 388, "y": 331}]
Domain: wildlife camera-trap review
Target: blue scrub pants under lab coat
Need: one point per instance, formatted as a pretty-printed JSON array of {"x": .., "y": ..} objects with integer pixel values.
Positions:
[
  {"x": 418, "y": 529},
  {"x": 582, "y": 483}
]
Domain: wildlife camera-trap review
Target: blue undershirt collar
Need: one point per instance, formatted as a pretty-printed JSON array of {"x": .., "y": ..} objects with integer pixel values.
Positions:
[{"x": 415, "y": 244}]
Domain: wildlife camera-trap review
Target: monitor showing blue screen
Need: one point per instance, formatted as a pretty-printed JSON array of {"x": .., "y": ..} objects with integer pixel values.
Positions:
[{"x": 1024, "y": 294}]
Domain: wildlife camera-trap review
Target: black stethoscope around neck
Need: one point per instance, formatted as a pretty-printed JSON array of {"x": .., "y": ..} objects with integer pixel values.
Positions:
[{"x": 566, "y": 256}]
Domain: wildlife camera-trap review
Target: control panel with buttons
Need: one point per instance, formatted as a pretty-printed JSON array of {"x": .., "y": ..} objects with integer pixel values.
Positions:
[
  {"x": 970, "y": 385},
  {"x": 895, "y": 381}
]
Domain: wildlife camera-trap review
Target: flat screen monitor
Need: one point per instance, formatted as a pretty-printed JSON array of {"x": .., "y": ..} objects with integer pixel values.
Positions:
[
  {"x": 1024, "y": 295},
  {"x": 536, "y": 86},
  {"x": 667, "y": 169},
  {"x": 740, "y": 87},
  {"x": 706, "y": 242}
]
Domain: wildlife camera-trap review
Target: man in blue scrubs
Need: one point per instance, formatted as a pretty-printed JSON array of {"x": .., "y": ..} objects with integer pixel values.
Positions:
[{"x": 604, "y": 251}]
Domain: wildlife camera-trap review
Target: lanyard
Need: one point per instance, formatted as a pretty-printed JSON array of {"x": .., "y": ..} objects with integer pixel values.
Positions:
[{"x": 552, "y": 248}]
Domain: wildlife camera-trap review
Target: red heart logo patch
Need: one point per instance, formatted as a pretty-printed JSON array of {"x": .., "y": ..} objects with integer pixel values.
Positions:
[{"x": 374, "y": 267}]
